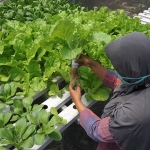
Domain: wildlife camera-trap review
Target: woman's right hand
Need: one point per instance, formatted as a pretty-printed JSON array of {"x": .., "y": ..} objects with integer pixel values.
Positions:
[
  {"x": 84, "y": 60},
  {"x": 96, "y": 67}
]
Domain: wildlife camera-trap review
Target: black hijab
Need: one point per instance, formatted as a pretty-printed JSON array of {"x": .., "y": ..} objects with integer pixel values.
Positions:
[{"x": 129, "y": 107}]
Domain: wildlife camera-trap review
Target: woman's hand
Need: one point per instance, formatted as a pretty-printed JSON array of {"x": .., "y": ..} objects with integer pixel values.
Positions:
[
  {"x": 76, "y": 97},
  {"x": 85, "y": 61},
  {"x": 96, "y": 67},
  {"x": 75, "y": 93}
]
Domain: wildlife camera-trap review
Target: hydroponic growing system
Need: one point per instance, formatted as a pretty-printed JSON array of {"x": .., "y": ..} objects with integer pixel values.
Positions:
[{"x": 38, "y": 40}]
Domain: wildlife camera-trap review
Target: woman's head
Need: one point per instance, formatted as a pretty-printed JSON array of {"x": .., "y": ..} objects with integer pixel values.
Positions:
[{"x": 130, "y": 55}]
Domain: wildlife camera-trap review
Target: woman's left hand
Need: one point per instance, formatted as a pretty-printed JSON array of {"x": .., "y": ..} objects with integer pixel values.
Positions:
[
  {"x": 75, "y": 93},
  {"x": 76, "y": 97}
]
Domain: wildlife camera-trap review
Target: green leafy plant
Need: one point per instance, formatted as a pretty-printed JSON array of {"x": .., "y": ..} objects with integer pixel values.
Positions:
[
  {"x": 47, "y": 126},
  {"x": 4, "y": 119},
  {"x": 29, "y": 10},
  {"x": 54, "y": 90},
  {"x": 35, "y": 52},
  {"x": 31, "y": 125},
  {"x": 7, "y": 93},
  {"x": 19, "y": 135}
]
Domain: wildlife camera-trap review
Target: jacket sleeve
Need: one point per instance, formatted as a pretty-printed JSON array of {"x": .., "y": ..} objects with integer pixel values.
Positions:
[
  {"x": 96, "y": 128},
  {"x": 111, "y": 79}
]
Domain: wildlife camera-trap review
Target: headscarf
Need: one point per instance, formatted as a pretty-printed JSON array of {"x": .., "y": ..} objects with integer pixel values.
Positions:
[{"x": 129, "y": 107}]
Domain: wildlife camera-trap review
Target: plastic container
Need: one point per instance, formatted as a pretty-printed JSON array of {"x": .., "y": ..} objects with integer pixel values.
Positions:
[{"x": 74, "y": 64}]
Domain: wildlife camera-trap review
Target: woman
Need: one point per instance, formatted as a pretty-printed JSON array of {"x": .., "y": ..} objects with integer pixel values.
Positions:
[{"x": 125, "y": 122}]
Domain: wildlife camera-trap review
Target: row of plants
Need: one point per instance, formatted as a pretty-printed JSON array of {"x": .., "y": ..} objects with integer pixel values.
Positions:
[
  {"x": 33, "y": 52},
  {"x": 32, "y": 124},
  {"x": 30, "y": 10},
  {"x": 22, "y": 123}
]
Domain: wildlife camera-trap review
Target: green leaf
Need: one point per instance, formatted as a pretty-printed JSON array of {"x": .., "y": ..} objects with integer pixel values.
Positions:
[
  {"x": 18, "y": 111},
  {"x": 100, "y": 94},
  {"x": 34, "y": 69},
  {"x": 42, "y": 51},
  {"x": 6, "y": 142},
  {"x": 29, "y": 19},
  {"x": 39, "y": 139},
  {"x": 9, "y": 101},
  {"x": 84, "y": 71},
  {"x": 1, "y": 120},
  {"x": 26, "y": 85},
  {"x": 88, "y": 97},
  {"x": 55, "y": 135},
  {"x": 64, "y": 29},
  {"x": 14, "y": 118},
  {"x": 49, "y": 130},
  {"x": 28, "y": 143},
  {"x": 37, "y": 107},
  {"x": 33, "y": 119},
  {"x": 7, "y": 117},
  {"x": 54, "y": 120},
  {"x": 21, "y": 126},
  {"x": 53, "y": 63},
  {"x": 3, "y": 148},
  {"x": 2, "y": 105},
  {"x": 68, "y": 53},
  {"x": 7, "y": 89},
  {"x": 17, "y": 103},
  {"x": 4, "y": 78},
  {"x": 96, "y": 83},
  {"x": 40, "y": 131},
  {"x": 64, "y": 121},
  {"x": 53, "y": 111},
  {"x": 10, "y": 38},
  {"x": 53, "y": 89},
  {"x": 4, "y": 60},
  {"x": 27, "y": 102},
  {"x": 100, "y": 36},
  {"x": 10, "y": 126},
  {"x": 31, "y": 54},
  {"x": 38, "y": 84},
  {"x": 43, "y": 116},
  {"x": 16, "y": 74},
  {"x": 6, "y": 134},
  {"x": 29, "y": 131},
  {"x": 1, "y": 49},
  {"x": 13, "y": 88}
]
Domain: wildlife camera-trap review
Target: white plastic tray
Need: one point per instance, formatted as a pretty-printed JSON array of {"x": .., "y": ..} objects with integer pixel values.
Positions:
[{"x": 145, "y": 16}]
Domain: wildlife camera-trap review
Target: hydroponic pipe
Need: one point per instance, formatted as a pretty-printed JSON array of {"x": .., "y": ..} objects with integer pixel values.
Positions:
[{"x": 73, "y": 1}]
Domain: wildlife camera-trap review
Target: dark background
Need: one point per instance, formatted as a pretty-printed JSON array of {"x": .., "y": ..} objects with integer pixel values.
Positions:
[{"x": 132, "y": 7}]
